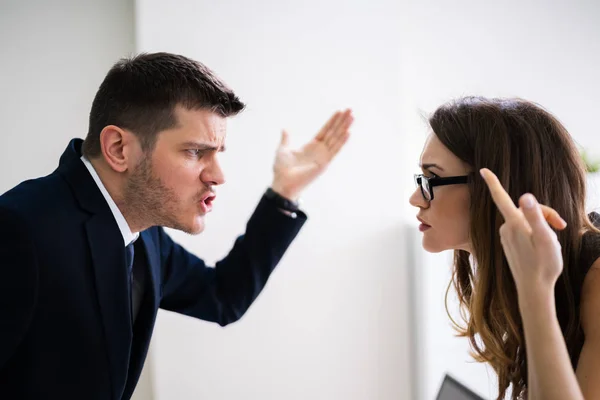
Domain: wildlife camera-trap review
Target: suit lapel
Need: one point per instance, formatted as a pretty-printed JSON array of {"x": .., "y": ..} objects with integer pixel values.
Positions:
[
  {"x": 152, "y": 270},
  {"x": 108, "y": 260},
  {"x": 107, "y": 252}
]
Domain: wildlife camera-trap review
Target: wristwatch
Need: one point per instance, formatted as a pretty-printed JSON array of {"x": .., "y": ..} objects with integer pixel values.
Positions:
[{"x": 282, "y": 202}]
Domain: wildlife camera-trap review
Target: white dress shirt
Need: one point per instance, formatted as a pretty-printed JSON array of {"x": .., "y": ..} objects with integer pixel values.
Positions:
[{"x": 128, "y": 236}]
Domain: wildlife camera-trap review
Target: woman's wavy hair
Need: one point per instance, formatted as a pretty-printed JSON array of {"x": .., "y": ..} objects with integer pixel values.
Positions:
[{"x": 530, "y": 151}]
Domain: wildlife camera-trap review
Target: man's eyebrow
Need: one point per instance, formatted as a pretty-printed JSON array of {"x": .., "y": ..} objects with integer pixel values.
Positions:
[
  {"x": 203, "y": 146},
  {"x": 428, "y": 166}
]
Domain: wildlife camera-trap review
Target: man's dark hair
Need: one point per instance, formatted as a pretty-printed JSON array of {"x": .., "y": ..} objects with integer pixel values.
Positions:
[{"x": 140, "y": 94}]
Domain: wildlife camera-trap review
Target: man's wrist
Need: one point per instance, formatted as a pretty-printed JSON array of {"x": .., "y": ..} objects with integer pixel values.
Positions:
[
  {"x": 291, "y": 195},
  {"x": 281, "y": 201}
]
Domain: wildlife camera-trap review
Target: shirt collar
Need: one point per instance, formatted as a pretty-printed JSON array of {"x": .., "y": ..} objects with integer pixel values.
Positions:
[{"x": 128, "y": 236}]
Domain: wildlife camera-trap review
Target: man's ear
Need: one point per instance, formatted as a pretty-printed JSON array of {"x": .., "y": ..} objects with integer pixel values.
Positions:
[{"x": 117, "y": 146}]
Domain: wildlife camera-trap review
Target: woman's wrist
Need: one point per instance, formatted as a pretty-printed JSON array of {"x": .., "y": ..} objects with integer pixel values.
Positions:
[{"x": 536, "y": 299}]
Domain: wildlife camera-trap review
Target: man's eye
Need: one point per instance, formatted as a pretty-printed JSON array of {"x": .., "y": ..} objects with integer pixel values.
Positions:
[{"x": 195, "y": 153}]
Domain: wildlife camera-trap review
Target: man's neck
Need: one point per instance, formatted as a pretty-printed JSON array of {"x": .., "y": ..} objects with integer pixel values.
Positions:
[
  {"x": 112, "y": 184},
  {"x": 109, "y": 179}
]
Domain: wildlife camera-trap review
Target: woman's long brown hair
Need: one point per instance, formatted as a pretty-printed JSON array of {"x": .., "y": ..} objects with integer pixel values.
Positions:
[{"x": 530, "y": 151}]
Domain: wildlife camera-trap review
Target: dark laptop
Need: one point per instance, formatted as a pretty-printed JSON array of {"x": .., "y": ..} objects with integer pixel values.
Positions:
[{"x": 452, "y": 389}]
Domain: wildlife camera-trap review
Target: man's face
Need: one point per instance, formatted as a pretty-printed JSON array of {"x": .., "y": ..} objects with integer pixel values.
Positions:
[{"x": 174, "y": 185}]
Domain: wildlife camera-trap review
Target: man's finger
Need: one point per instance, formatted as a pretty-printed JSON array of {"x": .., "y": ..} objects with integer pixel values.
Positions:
[
  {"x": 335, "y": 128},
  {"x": 534, "y": 216},
  {"x": 341, "y": 131},
  {"x": 285, "y": 138},
  {"x": 328, "y": 125},
  {"x": 339, "y": 143},
  {"x": 501, "y": 198}
]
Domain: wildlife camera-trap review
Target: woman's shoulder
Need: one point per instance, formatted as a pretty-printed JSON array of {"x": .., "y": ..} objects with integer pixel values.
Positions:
[
  {"x": 590, "y": 293},
  {"x": 595, "y": 218},
  {"x": 590, "y": 244}
]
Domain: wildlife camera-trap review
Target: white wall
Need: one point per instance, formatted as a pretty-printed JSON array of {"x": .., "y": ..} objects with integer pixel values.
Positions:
[
  {"x": 541, "y": 51},
  {"x": 335, "y": 319},
  {"x": 54, "y": 57},
  {"x": 548, "y": 52},
  {"x": 390, "y": 61},
  {"x": 331, "y": 322}
]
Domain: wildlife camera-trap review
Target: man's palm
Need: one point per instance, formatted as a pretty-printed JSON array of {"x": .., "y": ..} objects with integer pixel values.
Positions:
[{"x": 296, "y": 169}]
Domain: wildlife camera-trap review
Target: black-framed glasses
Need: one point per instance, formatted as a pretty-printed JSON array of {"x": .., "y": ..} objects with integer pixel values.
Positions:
[{"x": 426, "y": 184}]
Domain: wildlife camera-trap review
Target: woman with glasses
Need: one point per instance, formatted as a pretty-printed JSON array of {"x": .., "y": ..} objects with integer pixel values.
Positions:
[{"x": 530, "y": 152}]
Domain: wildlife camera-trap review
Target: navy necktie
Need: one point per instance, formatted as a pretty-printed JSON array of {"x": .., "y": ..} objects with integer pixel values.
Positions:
[
  {"x": 129, "y": 254},
  {"x": 135, "y": 283}
]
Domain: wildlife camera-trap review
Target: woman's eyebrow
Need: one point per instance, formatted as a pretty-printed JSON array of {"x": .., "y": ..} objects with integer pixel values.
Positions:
[{"x": 428, "y": 166}]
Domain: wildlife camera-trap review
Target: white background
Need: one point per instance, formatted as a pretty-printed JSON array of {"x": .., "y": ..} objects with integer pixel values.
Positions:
[{"x": 336, "y": 320}]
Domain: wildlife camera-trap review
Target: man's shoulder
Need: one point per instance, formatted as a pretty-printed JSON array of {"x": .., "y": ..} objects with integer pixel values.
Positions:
[{"x": 36, "y": 196}]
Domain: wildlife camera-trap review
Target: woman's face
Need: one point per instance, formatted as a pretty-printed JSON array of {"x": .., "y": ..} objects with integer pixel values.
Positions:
[{"x": 445, "y": 220}]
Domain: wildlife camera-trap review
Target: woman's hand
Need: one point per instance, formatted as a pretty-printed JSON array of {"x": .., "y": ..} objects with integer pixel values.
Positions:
[{"x": 530, "y": 245}]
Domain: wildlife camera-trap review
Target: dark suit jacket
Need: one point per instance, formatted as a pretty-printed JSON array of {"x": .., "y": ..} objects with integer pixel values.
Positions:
[{"x": 65, "y": 325}]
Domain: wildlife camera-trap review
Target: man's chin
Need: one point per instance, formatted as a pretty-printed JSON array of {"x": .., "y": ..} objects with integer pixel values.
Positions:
[
  {"x": 198, "y": 226},
  {"x": 196, "y": 231},
  {"x": 195, "y": 227}
]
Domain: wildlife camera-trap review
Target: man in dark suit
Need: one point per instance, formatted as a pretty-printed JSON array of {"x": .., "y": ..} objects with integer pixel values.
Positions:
[{"x": 84, "y": 261}]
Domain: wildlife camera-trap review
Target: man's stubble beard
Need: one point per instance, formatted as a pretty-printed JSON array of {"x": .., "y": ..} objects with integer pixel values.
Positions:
[{"x": 149, "y": 201}]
